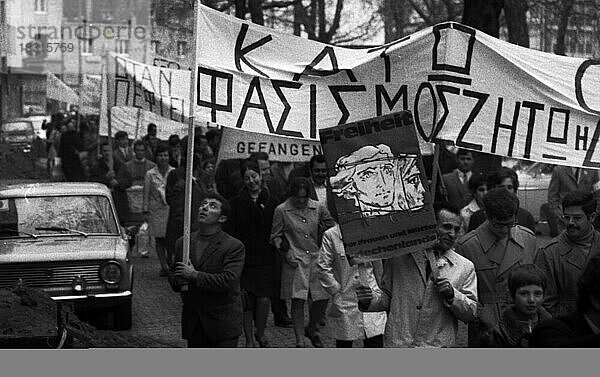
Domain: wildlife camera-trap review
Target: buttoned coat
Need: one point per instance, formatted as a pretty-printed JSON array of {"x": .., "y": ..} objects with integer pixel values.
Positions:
[
  {"x": 340, "y": 280},
  {"x": 458, "y": 192},
  {"x": 494, "y": 260},
  {"x": 564, "y": 263},
  {"x": 563, "y": 181},
  {"x": 303, "y": 229},
  {"x": 417, "y": 314},
  {"x": 155, "y": 201},
  {"x": 214, "y": 301}
]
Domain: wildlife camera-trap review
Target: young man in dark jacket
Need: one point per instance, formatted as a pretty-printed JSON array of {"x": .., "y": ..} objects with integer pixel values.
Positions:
[{"x": 212, "y": 307}]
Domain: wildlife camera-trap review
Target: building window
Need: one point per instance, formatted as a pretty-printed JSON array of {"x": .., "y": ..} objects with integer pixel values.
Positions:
[
  {"x": 74, "y": 10},
  {"x": 40, "y": 6},
  {"x": 122, "y": 46},
  {"x": 588, "y": 47},
  {"x": 86, "y": 45},
  {"x": 181, "y": 48},
  {"x": 109, "y": 11},
  {"x": 572, "y": 45},
  {"x": 155, "y": 45}
]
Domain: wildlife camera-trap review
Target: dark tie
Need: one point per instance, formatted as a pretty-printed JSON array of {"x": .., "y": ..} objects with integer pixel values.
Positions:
[{"x": 427, "y": 269}]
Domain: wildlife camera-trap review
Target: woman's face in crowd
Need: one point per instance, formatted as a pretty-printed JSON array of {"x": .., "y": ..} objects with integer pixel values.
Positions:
[
  {"x": 209, "y": 168},
  {"x": 252, "y": 180},
  {"x": 162, "y": 158},
  {"x": 300, "y": 200},
  {"x": 480, "y": 193}
]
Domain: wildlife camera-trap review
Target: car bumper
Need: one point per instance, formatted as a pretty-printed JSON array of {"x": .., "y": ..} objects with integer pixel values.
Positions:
[{"x": 99, "y": 296}]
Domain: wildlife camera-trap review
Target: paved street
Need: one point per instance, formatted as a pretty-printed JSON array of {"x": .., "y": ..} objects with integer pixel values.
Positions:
[{"x": 157, "y": 310}]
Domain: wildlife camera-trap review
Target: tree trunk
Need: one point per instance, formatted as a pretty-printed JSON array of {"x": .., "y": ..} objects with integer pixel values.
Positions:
[
  {"x": 256, "y": 12},
  {"x": 565, "y": 15},
  {"x": 240, "y": 9},
  {"x": 321, "y": 20},
  {"x": 310, "y": 24},
  {"x": 394, "y": 19},
  {"x": 516, "y": 19},
  {"x": 298, "y": 18},
  {"x": 483, "y": 15}
]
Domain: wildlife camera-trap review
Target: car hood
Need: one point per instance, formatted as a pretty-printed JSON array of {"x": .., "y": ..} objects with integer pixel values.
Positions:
[
  {"x": 17, "y": 137},
  {"x": 52, "y": 249}
]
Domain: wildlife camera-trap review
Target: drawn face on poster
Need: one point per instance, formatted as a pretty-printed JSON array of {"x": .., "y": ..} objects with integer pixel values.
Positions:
[{"x": 378, "y": 182}]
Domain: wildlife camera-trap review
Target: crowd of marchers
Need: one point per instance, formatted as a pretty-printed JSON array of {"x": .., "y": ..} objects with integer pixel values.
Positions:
[{"x": 265, "y": 238}]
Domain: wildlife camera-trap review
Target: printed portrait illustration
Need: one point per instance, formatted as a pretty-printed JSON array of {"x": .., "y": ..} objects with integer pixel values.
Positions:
[{"x": 378, "y": 181}]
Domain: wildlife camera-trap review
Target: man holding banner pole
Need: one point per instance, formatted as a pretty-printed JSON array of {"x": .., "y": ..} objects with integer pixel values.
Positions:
[{"x": 425, "y": 293}]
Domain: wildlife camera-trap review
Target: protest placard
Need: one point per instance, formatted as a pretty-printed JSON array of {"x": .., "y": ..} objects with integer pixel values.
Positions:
[
  {"x": 379, "y": 187},
  {"x": 237, "y": 143}
]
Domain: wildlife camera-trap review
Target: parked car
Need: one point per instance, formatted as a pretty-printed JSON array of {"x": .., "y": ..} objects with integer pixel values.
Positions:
[
  {"x": 18, "y": 135},
  {"x": 64, "y": 238}
]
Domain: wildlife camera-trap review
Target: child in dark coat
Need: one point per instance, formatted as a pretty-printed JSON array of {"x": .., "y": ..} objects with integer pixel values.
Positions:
[{"x": 527, "y": 285}]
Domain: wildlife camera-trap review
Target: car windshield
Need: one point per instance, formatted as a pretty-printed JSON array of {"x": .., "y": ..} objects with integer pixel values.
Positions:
[
  {"x": 17, "y": 127},
  {"x": 25, "y": 217}
]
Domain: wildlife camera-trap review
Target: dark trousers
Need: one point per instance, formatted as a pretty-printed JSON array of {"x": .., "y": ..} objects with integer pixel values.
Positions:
[
  {"x": 278, "y": 306},
  {"x": 374, "y": 342},
  {"x": 74, "y": 173},
  {"x": 199, "y": 339}
]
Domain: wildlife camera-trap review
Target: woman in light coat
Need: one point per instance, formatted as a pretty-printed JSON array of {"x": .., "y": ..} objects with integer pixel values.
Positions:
[
  {"x": 298, "y": 225},
  {"x": 345, "y": 321},
  {"x": 155, "y": 207}
]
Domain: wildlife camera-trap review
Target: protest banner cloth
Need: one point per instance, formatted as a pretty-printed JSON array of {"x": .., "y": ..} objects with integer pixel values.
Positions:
[
  {"x": 57, "y": 90},
  {"x": 462, "y": 86},
  {"x": 91, "y": 92},
  {"x": 380, "y": 190}
]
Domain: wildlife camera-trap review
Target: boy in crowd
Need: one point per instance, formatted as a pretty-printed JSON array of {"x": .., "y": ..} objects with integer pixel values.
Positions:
[{"x": 527, "y": 286}]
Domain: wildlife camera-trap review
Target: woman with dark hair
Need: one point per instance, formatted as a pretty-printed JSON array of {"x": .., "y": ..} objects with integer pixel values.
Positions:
[
  {"x": 250, "y": 222},
  {"x": 478, "y": 188},
  {"x": 298, "y": 226},
  {"x": 175, "y": 151},
  {"x": 206, "y": 176},
  {"x": 155, "y": 207}
]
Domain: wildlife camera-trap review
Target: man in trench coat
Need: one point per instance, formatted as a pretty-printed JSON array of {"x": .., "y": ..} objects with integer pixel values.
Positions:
[{"x": 495, "y": 248}]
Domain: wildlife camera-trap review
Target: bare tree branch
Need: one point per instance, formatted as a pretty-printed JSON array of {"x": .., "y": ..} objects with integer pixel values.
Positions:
[
  {"x": 280, "y": 4},
  {"x": 421, "y": 12},
  {"x": 336, "y": 20}
]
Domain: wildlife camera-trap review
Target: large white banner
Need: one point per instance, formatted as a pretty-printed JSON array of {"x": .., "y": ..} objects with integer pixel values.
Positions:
[{"x": 460, "y": 84}]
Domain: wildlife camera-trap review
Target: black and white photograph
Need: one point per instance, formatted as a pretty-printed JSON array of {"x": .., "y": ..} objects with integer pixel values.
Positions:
[{"x": 280, "y": 174}]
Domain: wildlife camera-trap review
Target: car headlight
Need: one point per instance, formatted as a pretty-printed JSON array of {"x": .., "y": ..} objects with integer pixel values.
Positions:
[{"x": 110, "y": 272}]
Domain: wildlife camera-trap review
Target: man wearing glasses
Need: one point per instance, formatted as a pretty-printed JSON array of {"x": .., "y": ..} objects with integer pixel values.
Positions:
[
  {"x": 567, "y": 255},
  {"x": 495, "y": 248}
]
